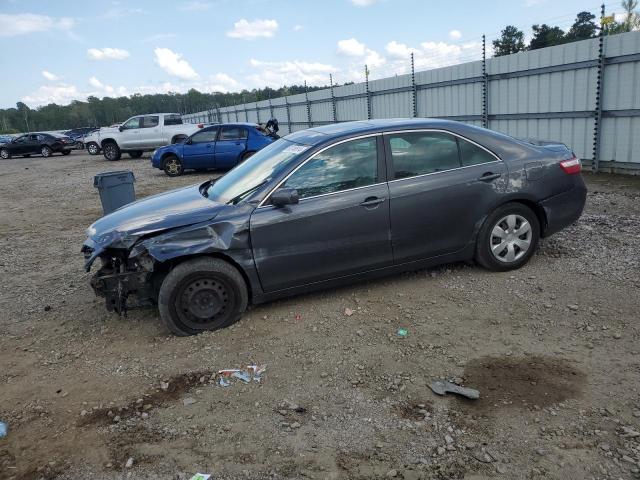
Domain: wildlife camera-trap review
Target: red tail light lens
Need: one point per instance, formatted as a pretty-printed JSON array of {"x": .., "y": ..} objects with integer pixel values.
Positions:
[
  {"x": 201, "y": 125},
  {"x": 571, "y": 166}
]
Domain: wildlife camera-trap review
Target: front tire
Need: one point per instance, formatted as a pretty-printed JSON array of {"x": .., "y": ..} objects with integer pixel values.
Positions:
[
  {"x": 508, "y": 238},
  {"x": 202, "y": 294},
  {"x": 172, "y": 166},
  {"x": 135, "y": 154},
  {"x": 5, "y": 154},
  {"x": 93, "y": 148},
  {"x": 112, "y": 152}
]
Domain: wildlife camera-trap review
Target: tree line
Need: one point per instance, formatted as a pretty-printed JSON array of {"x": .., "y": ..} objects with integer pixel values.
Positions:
[
  {"x": 106, "y": 111},
  {"x": 583, "y": 28}
]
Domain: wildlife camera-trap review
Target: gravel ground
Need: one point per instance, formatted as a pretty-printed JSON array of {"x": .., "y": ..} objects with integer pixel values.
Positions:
[{"x": 553, "y": 349}]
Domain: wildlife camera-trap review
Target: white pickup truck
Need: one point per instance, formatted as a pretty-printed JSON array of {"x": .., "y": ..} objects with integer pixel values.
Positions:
[{"x": 140, "y": 134}]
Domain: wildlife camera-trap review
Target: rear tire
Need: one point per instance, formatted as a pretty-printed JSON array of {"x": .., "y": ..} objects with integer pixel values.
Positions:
[
  {"x": 135, "y": 154},
  {"x": 93, "y": 148},
  {"x": 202, "y": 294},
  {"x": 5, "y": 154},
  {"x": 111, "y": 151},
  {"x": 508, "y": 238},
  {"x": 172, "y": 166},
  {"x": 46, "y": 151}
]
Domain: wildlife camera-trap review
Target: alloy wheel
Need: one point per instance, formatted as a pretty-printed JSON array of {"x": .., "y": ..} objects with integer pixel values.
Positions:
[
  {"x": 511, "y": 238},
  {"x": 173, "y": 166}
]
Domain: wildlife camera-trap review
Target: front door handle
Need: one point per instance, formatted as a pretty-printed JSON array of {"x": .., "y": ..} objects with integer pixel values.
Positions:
[
  {"x": 487, "y": 177},
  {"x": 372, "y": 201}
]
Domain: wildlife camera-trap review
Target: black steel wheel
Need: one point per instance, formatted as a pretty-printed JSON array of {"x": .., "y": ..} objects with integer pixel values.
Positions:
[{"x": 202, "y": 294}]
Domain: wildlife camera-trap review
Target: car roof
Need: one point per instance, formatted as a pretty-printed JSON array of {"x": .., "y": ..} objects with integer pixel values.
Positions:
[{"x": 499, "y": 143}]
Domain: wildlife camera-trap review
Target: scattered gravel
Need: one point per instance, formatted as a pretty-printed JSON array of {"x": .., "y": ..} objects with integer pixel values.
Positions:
[{"x": 552, "y": 348}]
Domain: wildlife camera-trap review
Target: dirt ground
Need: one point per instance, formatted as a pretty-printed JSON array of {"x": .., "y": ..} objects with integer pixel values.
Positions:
[{"x": 552, "y": 348}]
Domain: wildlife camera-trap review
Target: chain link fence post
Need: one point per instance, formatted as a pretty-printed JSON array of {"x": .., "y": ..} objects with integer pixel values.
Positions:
[
  {"x": 306, "y": 95},
  {"x": 597, "y": 125},
  {"x": 286, "y": 102},
  {"x": 333, "y": 99},
  {"x": 366, "y": 84},
  {"x": 270, "y": 106},
  {"x": 414, "y": 90},
  {"x": 485, "y": 85}
]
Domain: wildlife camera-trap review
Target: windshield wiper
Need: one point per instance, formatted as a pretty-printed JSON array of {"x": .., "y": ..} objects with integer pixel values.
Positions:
[{"x": 242, "y": 195}]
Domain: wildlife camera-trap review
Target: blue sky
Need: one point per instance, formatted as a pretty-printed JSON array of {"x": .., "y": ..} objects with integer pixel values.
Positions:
[{"x": 58, "y": 51}]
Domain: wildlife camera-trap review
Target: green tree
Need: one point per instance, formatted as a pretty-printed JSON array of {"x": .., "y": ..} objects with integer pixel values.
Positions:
[
  {"x": 630, "y": 22},
  {"x": 546, "y": 36},
  {"x": 511, "y": 41},
  {"x": 583, "y": 28}
]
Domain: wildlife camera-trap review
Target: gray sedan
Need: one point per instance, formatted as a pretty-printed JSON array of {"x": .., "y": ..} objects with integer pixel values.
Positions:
[{"x": 332, "y": 205}]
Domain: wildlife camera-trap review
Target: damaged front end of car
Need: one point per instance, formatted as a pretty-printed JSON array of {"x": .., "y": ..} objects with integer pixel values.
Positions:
[{"x": 124, "y": 282}]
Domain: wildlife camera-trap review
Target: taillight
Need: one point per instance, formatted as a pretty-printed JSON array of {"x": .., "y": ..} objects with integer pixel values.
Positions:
[
  {"x": 571, "y": 166},
  {"x": 201, "y": 125}
]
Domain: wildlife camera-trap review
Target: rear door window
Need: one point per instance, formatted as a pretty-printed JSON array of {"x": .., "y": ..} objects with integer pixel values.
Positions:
[
  {"x": 233, "y": 133},
  {"x": 419, "y": 153},
  {"x": 150, "y": 121}
]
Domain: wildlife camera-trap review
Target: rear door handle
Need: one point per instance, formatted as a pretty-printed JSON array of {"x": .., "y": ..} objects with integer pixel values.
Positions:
[
  {"x": 372, "y": 201},
  {"x": 487, "y": 177}
]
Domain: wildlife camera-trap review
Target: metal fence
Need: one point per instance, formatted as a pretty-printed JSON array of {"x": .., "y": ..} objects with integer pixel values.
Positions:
[{"x": 585, "y": 94}]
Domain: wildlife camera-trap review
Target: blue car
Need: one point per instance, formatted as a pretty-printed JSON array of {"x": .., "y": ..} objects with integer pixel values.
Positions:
[{"x": 219, "y": 147}]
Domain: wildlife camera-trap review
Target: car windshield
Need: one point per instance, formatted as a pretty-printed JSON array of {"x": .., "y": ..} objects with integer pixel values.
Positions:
[{"x": 255, "y": 171}]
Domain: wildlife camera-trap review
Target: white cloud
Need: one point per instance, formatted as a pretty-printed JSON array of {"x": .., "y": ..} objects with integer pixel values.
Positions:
[
  {"x": 95, "y": 83},
  {"x": 220, "y": 82},
  {"x": 174, "y": 64},
  {"x": 399, "y": 50},
  {"x": 277, "y": 74},
  {"x": 363, "y": 3},
  {"x": 619, "y": 17},
  {"x": 61, "y": 94},
  {"x": 298, "y": 28},
  {"x": 427, "y": 56},
  {"x": 254, "y": 29},
  {"x": 356, "y": 49},
  {"x": 195, "y": 6},
  {"x": 24, "y": 23},
  {"x": 107, "y": 53},
  {"x": 455, "y": 34},
  {"x": 49, "y": 76},
  {"x": 351, "y": 47}
]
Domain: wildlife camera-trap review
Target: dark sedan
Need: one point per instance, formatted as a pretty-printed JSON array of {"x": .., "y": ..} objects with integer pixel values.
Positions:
[
  {"x": 329, "y": 206},
  {"x": 44, "y": 144}
]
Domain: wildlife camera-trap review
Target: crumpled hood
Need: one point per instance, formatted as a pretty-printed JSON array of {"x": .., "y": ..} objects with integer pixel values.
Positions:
[{"x": 172, "y": 209}]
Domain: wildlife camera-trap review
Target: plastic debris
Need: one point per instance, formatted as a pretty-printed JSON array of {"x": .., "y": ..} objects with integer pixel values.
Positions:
[
  {"x": 442, "y": 387},
  {"x": 348, "y": 312},
  {"x": 245, "y": 375},
  {"x": 201, "y": 476},
  {"x": 403, "y": 332},
  {"x": 4, "y": 429}
]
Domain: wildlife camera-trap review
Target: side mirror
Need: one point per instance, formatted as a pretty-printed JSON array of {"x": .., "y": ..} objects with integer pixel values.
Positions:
[
  {"x": 285, "y": 196},
  {"x": 121, "y": 128},
  {"x": 188, "y": 141}
]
